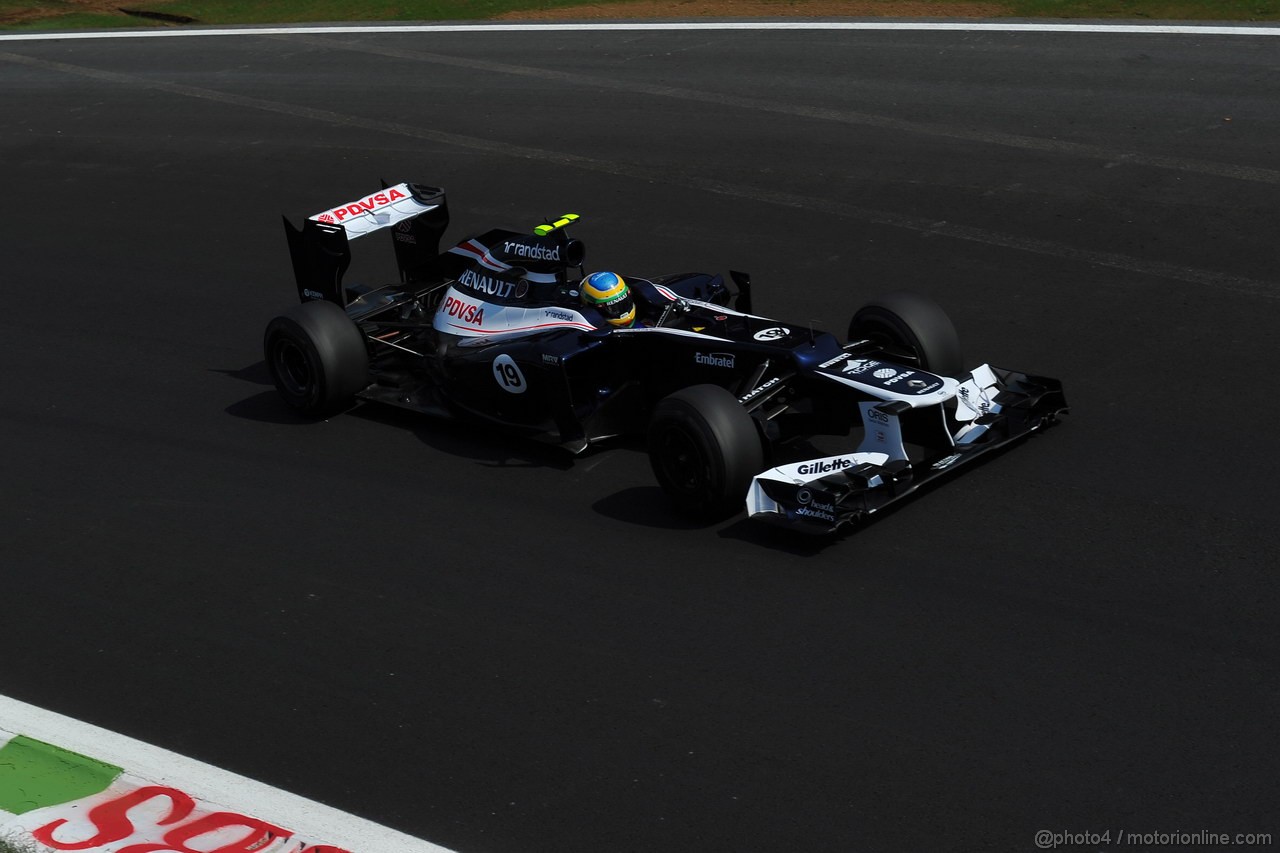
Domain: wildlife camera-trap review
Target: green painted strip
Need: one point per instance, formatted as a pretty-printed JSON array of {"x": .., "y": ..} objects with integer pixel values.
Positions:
[{"x": 34, "y": 774}]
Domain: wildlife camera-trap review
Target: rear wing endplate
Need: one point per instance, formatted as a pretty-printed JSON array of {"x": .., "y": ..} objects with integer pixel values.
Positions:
[{"x": 416, "y": 215}]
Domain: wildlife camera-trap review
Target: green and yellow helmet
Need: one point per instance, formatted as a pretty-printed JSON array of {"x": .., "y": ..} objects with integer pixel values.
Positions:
[{"x": 607, "y": 292}]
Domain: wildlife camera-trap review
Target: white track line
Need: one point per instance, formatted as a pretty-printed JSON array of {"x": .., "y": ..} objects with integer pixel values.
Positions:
[
  {"x": 245, "y": 796},
  {"x": 896, "y": 26}
]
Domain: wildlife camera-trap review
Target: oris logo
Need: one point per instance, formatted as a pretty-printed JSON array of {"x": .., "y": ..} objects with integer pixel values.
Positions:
[
  {"x": 714, "y": 359},
  {"x": 771, "y": 334},
  {"x": 877, "y": 416},
  {"x": 824, "y": 466}
]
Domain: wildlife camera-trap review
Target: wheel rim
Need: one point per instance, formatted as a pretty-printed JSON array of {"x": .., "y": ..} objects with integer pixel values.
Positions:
[
  {"x": 292, "y": 367},
  {"x": 891, "y": 340},
  {"x": 681, "y": 462}
]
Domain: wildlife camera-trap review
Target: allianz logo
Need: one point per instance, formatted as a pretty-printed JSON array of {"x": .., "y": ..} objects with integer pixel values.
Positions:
[{"x": 714, "y": 359}]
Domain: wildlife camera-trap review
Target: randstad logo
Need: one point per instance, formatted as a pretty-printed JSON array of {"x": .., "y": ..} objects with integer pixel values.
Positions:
[{"x": 533, "y": 253}]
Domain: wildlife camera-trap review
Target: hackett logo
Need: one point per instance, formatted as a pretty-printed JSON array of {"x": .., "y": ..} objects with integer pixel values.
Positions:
[{"x": 364, "y": 205}]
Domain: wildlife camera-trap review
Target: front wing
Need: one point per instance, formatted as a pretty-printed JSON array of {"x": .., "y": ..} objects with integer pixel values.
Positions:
[{"x": 992, "y": 408}]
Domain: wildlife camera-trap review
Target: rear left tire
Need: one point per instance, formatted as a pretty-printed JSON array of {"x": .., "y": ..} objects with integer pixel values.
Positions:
[{"x": 317, "y": 358}]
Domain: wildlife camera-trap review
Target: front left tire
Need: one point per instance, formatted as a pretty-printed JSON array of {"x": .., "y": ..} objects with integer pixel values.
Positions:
[{"x": 704, "y": 449}]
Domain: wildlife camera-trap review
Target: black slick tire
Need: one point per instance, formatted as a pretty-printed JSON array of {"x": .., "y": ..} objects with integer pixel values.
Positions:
[
  {"x": 904, "y": 320},
  {"x": 317, "y": 358},
  {"x": 704, "y": 449}
]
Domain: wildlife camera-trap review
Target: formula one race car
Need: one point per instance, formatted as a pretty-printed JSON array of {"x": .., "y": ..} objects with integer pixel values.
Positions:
[{"x": 495, "y": 330}]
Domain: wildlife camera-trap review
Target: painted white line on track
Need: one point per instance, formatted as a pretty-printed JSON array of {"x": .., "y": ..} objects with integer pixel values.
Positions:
[
  {"x": 205, "y": 782},
  {"x": 633, "y": 26}
]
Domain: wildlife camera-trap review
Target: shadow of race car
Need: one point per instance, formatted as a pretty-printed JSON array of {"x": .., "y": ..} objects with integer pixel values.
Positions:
[{"x": 494, "y": 330}]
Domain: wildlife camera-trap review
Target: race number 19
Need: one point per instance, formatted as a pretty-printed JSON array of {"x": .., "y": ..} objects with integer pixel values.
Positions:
[{"x": 508, "y": 374}]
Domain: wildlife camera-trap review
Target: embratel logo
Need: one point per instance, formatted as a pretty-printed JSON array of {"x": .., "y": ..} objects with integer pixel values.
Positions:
[{"x": 714, "y": 359}]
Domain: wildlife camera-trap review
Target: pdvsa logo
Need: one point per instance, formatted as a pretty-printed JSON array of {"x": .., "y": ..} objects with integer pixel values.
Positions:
[
  {"x": 368, "y": 204},
  {"x": 467, "y": 312}
]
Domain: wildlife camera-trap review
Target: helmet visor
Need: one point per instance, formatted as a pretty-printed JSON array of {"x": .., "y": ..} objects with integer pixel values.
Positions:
[{"x": 618, "y": 307}]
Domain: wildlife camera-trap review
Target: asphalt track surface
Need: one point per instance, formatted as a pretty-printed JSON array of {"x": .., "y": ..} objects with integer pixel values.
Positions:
[{"x": 497, "y": 648}]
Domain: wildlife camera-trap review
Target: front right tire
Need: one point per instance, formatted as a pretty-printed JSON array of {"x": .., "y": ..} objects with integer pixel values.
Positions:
[{"x": 914, "y": 324}]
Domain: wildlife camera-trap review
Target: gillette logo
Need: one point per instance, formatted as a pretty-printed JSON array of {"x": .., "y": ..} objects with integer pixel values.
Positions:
[{"x": 824, "y": 466}]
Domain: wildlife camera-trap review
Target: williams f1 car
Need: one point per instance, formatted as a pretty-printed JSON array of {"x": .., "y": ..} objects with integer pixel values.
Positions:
[{"x": 493, "y": 329}]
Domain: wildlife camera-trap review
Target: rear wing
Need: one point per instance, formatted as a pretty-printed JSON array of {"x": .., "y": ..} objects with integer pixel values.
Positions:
[{"x": 416, "y": 215}]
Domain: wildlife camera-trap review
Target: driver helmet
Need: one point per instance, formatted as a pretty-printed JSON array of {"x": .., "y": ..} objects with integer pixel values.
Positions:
[{"x": 608, "y": 292}]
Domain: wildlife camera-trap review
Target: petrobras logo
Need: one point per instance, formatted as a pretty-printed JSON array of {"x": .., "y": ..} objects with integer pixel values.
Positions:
[
  {"x": 486, "y": 284},
  {"x": 533, "y": 252},
  {"x": 714, "y": 359},
  {"x": 824, "y": 466},
  {"x": 461, "y": 309},
  {"x": 367, "y": 204}
]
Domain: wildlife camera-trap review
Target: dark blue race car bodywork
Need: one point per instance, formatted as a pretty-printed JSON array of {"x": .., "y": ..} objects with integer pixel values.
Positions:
[{"x": 492, "y": 329}]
